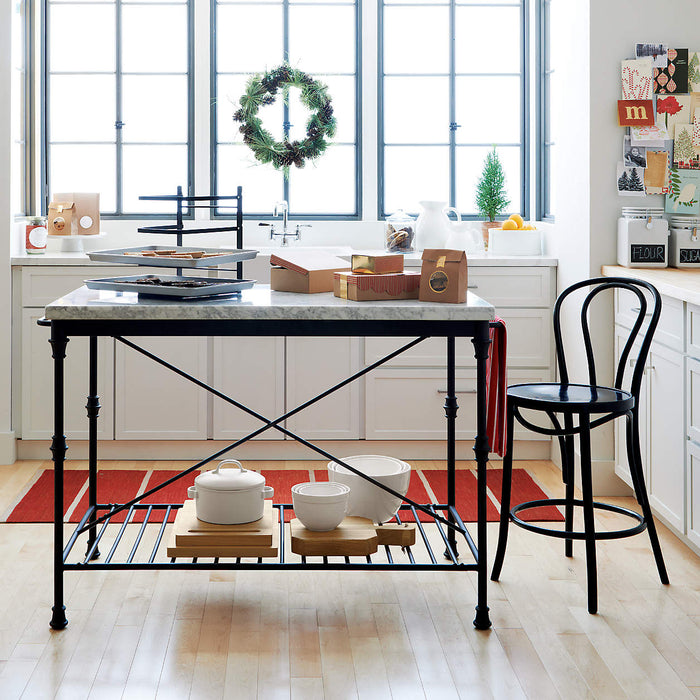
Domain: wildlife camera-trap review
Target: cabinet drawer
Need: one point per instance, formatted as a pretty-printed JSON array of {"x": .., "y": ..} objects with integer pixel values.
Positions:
[
  {"x": 42, "y": 285},
  {"x": 404, "y": 404},
  {"x": 529, "y": 344},
  {"x": 692, "y": 317},
  {"x": 669, "y": 332},
  {"x": 513, "y": 286}
]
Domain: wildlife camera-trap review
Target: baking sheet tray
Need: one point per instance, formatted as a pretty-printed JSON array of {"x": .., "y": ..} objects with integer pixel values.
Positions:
[
  {"x": 223, "y": 256},
  {"x": 215, "y": 286}
]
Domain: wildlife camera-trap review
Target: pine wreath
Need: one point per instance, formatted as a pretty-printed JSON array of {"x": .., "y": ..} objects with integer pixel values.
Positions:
[{"x": 261, "y": 89}]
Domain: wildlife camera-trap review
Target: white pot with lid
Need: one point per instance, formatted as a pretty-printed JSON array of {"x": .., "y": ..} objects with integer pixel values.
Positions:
[{"x": 230, "y": 496}]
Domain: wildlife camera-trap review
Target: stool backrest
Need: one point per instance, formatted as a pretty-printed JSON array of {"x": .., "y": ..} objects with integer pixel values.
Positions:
[{"x": 598, "y": 285}]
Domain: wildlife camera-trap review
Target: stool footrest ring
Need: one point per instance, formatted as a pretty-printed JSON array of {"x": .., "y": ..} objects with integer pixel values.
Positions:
[{"x": 577, "y": 535}]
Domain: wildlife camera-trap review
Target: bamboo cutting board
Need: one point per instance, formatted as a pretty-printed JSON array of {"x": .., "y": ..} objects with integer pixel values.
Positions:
[
  {"x": 353, "y": 537},
  {"x": 191, "y": 532}
]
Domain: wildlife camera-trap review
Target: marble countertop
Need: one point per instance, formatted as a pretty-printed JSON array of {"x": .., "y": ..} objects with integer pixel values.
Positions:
[
  {"x": 259, "y": 303},
  {"x": 682, "y": 284},
  {"x": 411, "y": 260}
]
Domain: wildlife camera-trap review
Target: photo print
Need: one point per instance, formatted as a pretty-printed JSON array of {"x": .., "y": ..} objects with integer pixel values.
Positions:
[
  {"x": 630, "y": 181},
  {"x": 658, "y": 53},
  {"x": 634, "y": 155}
]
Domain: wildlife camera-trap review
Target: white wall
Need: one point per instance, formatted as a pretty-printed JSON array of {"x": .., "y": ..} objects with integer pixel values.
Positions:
[
  {"x": 7, "y": 442},
  {"x": 597, "y": 35}
]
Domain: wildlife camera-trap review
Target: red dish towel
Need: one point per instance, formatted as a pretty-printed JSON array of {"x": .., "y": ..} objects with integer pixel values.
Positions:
[{"x": 496, "y": 387}]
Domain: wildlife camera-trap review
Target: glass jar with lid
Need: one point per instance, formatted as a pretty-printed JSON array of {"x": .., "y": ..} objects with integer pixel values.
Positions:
[
  {"x": 35, "y": 233},
  {"x": 642, "y": 237},
  {"x": 684, "y": 245},
  {"x": 400, "y": 233}
]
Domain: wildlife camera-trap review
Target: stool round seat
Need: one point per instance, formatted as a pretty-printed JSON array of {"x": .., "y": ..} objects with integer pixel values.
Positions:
[{"x": 572, "y": 397}]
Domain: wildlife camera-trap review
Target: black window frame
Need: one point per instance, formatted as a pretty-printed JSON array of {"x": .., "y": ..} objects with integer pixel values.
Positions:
[
  {"x": 525, "y": 126},
  {"x": 45, "y": 185}
]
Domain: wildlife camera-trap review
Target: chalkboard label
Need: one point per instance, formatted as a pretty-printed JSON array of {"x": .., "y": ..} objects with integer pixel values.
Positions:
[
  {"x": 648, "y": 253},
  {"x": 689, "y": 255}
]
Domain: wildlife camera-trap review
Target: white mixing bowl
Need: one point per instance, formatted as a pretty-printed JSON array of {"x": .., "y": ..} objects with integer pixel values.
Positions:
[
  {"x": 320, "y": 505},
  {"x": 367, "y": 500}
]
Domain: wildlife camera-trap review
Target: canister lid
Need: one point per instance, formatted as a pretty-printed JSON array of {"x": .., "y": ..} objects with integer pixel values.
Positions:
[
  {"x": 642, "y": 212},
  {"x": 230, "y": 479}
]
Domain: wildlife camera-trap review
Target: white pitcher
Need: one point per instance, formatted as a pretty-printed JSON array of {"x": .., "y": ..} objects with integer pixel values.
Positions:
[{"x": 434, "y": 226}]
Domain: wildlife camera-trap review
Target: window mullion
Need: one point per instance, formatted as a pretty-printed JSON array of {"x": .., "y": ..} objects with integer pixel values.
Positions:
[
  {"x": 119, "y": 112},
  {"x": 453, "y": 109}
]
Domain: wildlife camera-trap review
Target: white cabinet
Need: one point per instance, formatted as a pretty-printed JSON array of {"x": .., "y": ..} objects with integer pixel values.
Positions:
[
  {"x": 407, "y": 404},
  {"x": 151, "y": 402},
  {"x": 693, "y": 496},
  {"x": 666, "y": 472},
  {"x": 314, "y": 364},
  {"x": 251, "y": 371},
  {"x": 36, "y": 383}
]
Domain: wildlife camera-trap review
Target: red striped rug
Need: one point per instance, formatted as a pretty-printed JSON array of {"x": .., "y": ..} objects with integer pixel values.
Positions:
[{"x": 121, "y": 485}]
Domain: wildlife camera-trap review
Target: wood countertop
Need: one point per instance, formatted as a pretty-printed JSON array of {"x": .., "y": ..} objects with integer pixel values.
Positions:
[{"x": 671, "y": 282}]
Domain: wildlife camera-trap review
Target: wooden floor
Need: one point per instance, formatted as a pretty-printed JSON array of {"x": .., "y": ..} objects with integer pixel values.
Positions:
[{"x": 305, "y": 635}]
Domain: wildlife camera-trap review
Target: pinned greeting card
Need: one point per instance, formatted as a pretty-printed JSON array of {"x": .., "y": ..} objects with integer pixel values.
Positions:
[
  {"x": 672, "y": 110},
  {"x": 635, "y": 113},
  {"x": 654, "y": 136},
  {"x": 673, "y": 78},
  {"x": 630, "y": 181},
  {"x": 696, "y": 130},
  {"x": 685, "y": 155},
  {"x": 693, "y": 71},
  {"x": 657, "y": 52},
  {"x": 684, "y": 191},
  {"x": 637, "y": 79},
  {"x": 656, "y": 174}
]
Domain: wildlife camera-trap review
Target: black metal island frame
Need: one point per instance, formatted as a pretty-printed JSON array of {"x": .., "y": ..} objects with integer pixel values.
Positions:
[{"x": 261, "y": 312}]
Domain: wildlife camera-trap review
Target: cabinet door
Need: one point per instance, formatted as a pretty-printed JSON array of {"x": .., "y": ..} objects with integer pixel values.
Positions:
[
  {"x": 693, "y": 499},
  {"x": 314, "y": 365},
  {"x": 666, "y": 482},
  {"x": 36, "y": 390},
  {"x": 153, "y": 403},
  {"x": 621, "y": 464},
  {"x": 250, "y": 370},
  {"x": 408, "y": 404}
]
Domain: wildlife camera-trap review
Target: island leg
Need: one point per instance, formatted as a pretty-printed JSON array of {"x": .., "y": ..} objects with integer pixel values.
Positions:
[
  {"x": 58, "y": 450},
  {"x": 481, "y": 343},
  {"x": 93, "y": 411},
  {"x": 451, "y": 407}
]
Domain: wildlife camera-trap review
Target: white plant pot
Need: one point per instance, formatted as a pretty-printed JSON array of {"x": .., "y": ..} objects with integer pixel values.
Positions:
[{"x": 515, "y": 242}]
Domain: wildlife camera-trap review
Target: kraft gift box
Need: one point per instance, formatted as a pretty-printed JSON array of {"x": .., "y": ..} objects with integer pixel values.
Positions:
[
  {"x": 443, "y": 276},
  {"x": 306, "y": 272},
  {"x": 87, "y": 211},
  {"x": 376, "y": 264},
  {"x": 363, "y": 287}
]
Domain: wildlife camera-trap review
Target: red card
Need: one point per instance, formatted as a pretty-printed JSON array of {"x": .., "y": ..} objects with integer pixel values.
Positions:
[{"x": 635, "y": 113}]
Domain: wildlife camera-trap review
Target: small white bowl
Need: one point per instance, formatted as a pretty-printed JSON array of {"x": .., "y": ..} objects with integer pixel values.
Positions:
[
  {"x": 320, "y": 505},
  {"x": 367, "y": 500}
]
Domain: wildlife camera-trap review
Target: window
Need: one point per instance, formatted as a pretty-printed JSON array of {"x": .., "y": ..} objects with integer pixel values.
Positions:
[
  {"x": 546, "y": 148},
  {"x": 317, "y": 37},
  {"x": 118, "y": 100},
  {"x": 21, "y": 122},
  {"x": 452, "y": 85}
]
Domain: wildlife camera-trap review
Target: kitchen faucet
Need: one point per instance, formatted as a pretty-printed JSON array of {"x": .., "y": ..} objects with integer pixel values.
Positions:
[{"x": 282, "y": 208}]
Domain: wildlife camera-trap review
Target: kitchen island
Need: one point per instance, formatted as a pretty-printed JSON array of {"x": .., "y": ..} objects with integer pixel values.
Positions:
[{"x": 261, "y": 312}]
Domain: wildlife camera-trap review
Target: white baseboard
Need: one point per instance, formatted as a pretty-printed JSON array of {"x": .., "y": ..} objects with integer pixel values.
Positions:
[
  {"x": 8, "y": 448},
  {"x": 267, "y": 449},
  {"x": 605, "y": 481}
]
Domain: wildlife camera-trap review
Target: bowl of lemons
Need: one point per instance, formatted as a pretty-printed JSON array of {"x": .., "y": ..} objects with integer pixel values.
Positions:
[{"x": 515, "y": 237}]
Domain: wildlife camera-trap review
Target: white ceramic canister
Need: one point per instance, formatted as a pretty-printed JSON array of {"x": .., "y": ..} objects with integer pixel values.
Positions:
[
  {"x": 642, "y": 237},
  {"x": 434, "y": 226},
  {"x": 230, "y": 496},
  {"x": 684, "y": 243}
]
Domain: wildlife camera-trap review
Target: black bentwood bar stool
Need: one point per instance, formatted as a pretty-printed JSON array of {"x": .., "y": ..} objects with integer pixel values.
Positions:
[{"x": 591, "y": 405}]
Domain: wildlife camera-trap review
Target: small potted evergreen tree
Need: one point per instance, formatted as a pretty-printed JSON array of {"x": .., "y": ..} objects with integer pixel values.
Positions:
[{"x": 491, "y": 197}]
